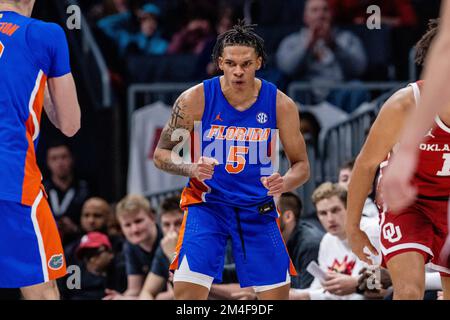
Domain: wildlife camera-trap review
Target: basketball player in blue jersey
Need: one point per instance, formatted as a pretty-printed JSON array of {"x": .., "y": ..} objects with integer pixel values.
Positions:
[
  {"x": 33, "y": 57},
  {"x": 230, "y": 194}
]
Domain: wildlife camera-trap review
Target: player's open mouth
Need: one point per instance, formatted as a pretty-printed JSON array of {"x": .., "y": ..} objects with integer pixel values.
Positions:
[{"x": 239, "y": 82}]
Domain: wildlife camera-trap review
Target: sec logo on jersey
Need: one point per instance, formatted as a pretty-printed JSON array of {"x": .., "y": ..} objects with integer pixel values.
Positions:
[{"x": 262, "y": 117}]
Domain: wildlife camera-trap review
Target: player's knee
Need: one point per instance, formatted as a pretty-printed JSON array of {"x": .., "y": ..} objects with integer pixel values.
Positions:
[
  {"x": 280, "y": 293},
  {"x": 43, "y": 291},
  {"x": 408, "y": 292},
  {"x": 187, "y": 291},
  {"x": 51, "y": 293},
  {"x": 48, "y": 293}
]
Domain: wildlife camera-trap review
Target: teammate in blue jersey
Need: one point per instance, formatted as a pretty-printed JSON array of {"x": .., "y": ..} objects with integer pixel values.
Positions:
[
  {"x": 233, "y": 120},
  {"x": 34, "y": 70}
]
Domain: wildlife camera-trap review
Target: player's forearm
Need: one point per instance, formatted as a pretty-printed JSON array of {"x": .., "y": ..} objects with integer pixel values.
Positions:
[
  {"x": 51, "y": 113},
  {"x": 146, "y": 294},
  {"x": 172, "y": 163},
  {"x": 299, "y": 294},
  {"x": 64, "y": 99},
  {"x": 49, "y": 108},
  {"x": 296, "y": 176},
  {"x": 131, "y": 293},
  {"x": 358, "y": 190}
]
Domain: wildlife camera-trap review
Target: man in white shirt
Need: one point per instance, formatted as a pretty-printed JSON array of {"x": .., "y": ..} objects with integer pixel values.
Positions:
[{"x": 342, "y": 267}]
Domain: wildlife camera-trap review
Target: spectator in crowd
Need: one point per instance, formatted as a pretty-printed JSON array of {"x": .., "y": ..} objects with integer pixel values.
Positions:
[
  {"x": 345, "y": 173},
  {"x": 95, "y": 214},
  {"x": 336, "y": 258},
  {"x": 206, "y": 68},
  {"x": 66, "y": 193},
  {"x": 102, "y": 8},
  {"x": 376, "y": 283},
  {"x": 370, "y": 210},
  {"x": 394, "y": 13},
  {"x": 310, "y": 128},
  {"x": 117, "y": 5},
  {"x": 302, "y": 239},
  {"x": 135, "y": 30},
  {"x": 273, "y": 13},
  {"x": 149, "y": 40},
  {"x": 156, "y": 284},
  {"x": 97, "y": 269},
  {"x": 398, "y": 19},
  {"x": 143, "y": 237},
  {"x": 113, "y": 224},
  {"x": 192, "y": 38},
  {"x": 319, "y": 52}
]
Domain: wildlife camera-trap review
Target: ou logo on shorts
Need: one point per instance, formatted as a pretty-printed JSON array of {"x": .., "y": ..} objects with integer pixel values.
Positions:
[{"x": 391, "y": 233}]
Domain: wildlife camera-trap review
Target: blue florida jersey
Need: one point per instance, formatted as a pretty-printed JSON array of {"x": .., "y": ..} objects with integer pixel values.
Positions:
[
  {"x": 243, "y": 143},
  {"x": 31, "y": 51}
]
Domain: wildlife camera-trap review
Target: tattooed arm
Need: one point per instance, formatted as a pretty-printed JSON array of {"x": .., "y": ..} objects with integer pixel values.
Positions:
[{"x": 187, "y": 109}]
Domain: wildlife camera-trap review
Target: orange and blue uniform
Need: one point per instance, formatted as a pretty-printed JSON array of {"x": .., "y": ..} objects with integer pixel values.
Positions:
[
  {"x": 31, "y": 51},
  {"x": 234, "y": 203}
]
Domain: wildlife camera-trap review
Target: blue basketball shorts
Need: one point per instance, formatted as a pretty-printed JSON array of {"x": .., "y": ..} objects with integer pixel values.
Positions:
[
  {"x": 30, "y": 246},
  {"x": 259, "y": 251}
]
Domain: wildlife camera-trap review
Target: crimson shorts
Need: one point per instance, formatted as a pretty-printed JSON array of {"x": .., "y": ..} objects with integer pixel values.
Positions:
[{"x": 422, "y": 227}]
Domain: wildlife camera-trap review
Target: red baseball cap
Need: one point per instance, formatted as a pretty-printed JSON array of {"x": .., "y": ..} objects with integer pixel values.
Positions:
[{"x": 93, "y": 240}]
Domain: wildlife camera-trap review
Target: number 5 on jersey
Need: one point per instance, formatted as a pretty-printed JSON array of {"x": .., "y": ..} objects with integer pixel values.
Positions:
[
  {"x": 236, "y": 160},
  {"x": 2, "y": 47}
]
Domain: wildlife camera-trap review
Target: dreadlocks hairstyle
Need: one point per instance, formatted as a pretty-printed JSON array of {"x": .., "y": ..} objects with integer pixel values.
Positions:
[
  {"x": 240, "y": 35},
  {"x": 424, "y": 43}
]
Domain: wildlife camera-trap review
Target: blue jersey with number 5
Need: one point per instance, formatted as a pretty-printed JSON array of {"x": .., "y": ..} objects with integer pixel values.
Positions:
[{"x": 243, "y": 143}]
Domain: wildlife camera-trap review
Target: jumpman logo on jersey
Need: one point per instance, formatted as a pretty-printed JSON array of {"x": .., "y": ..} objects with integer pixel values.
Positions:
[
  {"x": 218, "y": 118},
  {"x": 429, "y": 134}
]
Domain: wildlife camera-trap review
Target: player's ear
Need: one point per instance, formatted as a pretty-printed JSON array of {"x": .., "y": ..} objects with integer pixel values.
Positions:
[
  {"x": 258, "y": 63},
  {"x": 289, "y": 215},
  {"x": 220, "y": 63}
]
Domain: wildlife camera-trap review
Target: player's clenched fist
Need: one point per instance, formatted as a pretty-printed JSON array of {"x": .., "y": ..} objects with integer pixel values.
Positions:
[
  {"x": 168, "y": 244},
  {"x": 274, "y": 184},
  {"x": 204, "y": 168}
]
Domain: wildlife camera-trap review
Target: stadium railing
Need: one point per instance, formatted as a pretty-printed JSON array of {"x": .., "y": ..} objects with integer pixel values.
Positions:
[{"x": 343, "y": 141}]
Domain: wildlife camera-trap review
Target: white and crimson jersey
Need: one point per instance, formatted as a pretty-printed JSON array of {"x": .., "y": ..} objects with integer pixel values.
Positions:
[{"x": 432, "y": 176}]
